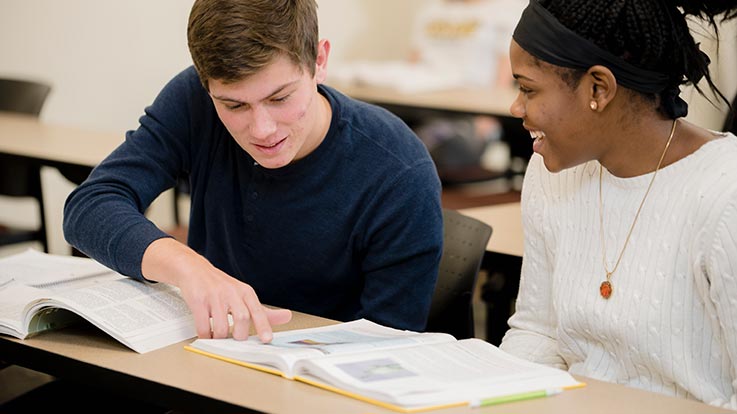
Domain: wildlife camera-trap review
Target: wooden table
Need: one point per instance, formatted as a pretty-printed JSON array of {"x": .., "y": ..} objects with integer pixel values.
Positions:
[
  {"x": 188, "y": 382},
  {"x": 28, "y": 137},
  {"x": 486, "y": 100},
  {"x": 506, "y": 223}
]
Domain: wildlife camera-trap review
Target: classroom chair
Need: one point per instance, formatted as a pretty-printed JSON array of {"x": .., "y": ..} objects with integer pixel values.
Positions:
[
  {"x": 464, "y": 245},
  {"x": 18, "y": 177}
]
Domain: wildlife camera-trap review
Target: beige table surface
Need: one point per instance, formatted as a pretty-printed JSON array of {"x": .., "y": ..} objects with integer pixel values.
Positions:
[
  {"x": 485, "y": 100},
  {"x": 187, "y": 372},
  {"x": 27, "y": 136},
  {"x": 506, "y": 224}
]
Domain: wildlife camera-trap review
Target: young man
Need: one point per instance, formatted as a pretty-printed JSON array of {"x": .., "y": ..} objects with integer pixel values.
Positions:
[{"x": 302, "y": 198}]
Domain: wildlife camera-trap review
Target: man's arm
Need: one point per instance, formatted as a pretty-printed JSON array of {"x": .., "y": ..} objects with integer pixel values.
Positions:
[
  {"x": 210, "y": 293},
  {"x": 403, "y": 239}
]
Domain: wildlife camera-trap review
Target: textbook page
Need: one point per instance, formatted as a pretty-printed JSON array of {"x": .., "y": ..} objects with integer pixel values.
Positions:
[
  {"x": 140, "y": 315},
  {"x": 43, "y": 270},
  {"x": 41, "y": 291},
  {"x": 430, "y": 375},
  {"x": 13, "y": 298},
  {"x": 289, "y": 347}
]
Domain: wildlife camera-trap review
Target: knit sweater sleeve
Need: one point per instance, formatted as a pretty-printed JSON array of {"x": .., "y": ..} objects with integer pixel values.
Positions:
[
  {"x": 404, "y": 239},
  {"x": 720, "y": 290},
  {"x": 532, "y": 334},
  {"x": 104, "y": 216}
]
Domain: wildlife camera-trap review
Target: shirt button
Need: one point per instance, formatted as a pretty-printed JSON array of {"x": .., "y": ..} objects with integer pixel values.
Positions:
[
  {"x": 254, "y": 195},
  {"x": 249, "y": 217}
]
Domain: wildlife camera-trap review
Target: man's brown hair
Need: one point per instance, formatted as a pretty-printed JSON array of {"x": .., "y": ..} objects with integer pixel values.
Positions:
[{"x": 230, "y": 40}]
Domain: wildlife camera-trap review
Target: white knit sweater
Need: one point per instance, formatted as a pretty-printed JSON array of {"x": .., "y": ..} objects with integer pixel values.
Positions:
[{"x": 670, "y": 325}]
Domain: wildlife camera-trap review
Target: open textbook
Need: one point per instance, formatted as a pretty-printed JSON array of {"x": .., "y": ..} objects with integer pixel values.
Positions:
[
  {"x": 401, "y": 370},
  {"x": 40, "y": 291}
]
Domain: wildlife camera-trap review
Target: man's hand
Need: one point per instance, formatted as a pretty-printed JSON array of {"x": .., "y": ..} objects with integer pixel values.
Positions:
[{"x": 210, "y": 293}]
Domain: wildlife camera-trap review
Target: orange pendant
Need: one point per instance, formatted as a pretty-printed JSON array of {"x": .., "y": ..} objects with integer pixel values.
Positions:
[{"x": 605, "y": 289}]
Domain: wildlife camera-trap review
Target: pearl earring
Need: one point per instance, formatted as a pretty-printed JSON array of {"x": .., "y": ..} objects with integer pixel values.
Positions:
[{"x": 594, "y": 105}]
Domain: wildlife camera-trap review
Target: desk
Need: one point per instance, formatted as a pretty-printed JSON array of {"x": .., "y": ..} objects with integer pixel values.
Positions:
[
  {"x": 190, "y": 382},
  {"x": 486, "y": 101},
  {"x": 506, "y": 223},
  {"x": 25, "y": 136}
]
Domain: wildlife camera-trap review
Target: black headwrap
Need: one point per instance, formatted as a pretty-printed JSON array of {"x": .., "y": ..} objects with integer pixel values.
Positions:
[{"x": 543, "y": 36}]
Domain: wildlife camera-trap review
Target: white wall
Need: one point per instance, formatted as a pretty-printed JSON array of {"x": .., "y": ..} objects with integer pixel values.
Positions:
[
  {"x": 724, "y": 61},
  {"x": 108, "y": 59}
]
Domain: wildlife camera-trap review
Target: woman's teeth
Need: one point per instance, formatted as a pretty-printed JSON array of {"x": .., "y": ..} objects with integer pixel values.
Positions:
[{"x": 537, "y": 134}]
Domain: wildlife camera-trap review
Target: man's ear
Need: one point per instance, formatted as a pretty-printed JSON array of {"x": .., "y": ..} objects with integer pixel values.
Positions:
[
  {"x": 321, "y": 63},
  {"x": 600, "y": 86}
]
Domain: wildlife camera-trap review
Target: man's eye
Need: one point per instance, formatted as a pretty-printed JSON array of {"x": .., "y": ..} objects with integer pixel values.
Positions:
[
  {"x": 234, "y": 106},
  {"x": 281, "y": 98}
]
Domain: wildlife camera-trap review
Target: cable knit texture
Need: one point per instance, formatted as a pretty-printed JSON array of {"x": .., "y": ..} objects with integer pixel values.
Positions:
[{"x": 670, "y": 325}]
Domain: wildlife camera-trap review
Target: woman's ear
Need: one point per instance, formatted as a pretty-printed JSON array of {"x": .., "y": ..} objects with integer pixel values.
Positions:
[{"x": 600, "y": 86}]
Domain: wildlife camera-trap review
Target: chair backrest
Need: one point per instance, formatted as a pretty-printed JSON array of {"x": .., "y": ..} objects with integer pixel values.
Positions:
[
  {"x": 464, "y": 244},
  {"x": 19, "y": 178},
  {"x": 27, "y": 97}
]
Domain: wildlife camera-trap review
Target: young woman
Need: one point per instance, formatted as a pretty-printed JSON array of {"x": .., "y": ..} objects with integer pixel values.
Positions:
[{"x": 630, "y": 212}]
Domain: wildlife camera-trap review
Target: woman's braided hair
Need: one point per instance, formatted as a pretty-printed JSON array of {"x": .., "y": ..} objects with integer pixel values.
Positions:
[{"x": 650, "y": 34}]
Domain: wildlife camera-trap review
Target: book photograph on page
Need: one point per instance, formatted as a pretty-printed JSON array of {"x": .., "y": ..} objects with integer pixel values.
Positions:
[
  {"x": 288, "y": 347},
  {"x": 41, "y": 291},
  {"x": 401, "y": 370}
]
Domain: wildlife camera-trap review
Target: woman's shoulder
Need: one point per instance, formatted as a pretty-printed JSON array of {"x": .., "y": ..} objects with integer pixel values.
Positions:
[
  {"x": 717, "y": 157},
  {"x": 708, "y": 176}
]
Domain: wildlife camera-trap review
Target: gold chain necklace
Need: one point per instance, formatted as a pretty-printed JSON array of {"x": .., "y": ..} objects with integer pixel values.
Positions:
[{"x": 606, "y": 286}]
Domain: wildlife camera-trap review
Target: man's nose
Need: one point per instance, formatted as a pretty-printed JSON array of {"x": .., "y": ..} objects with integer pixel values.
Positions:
[{"x": 262, "y": 124}]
